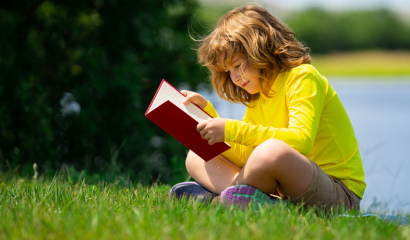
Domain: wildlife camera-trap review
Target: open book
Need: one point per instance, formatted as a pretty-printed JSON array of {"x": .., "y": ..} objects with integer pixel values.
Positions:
[{"x": 180, "y": 121}]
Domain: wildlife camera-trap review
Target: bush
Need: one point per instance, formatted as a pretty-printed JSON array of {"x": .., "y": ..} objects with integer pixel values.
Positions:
[{"x": 76, "y": 78}]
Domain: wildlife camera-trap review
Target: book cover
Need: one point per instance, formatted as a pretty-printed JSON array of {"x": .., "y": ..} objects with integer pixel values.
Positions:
[{"x": 180, "y": 121}]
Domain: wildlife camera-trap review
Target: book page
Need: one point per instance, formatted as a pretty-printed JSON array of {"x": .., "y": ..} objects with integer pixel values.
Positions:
[{"x": 167, "y": 92}]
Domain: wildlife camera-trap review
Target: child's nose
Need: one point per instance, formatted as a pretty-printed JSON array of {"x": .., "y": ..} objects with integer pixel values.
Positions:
[{"x": 235, "y": 76}]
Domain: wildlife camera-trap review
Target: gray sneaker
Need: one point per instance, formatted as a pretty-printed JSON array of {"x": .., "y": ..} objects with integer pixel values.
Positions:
[{"x": 191, "y": 190}]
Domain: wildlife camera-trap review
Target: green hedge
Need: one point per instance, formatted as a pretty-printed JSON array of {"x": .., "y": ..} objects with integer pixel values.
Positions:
[{"x": 103, "y": 61}]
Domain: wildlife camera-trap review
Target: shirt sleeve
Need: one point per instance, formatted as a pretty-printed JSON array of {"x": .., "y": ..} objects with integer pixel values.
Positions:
[
  {"x": 238, "y": 154},
  {"x": 210, "y": 110},
  {"x": 305, "y": 102}
]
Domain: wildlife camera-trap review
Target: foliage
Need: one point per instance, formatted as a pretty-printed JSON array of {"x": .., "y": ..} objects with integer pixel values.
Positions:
[
  {"x": 324, "y": 31},
  {"x": 329, "y": 31},
  {"x": 77, "y": 76},
  {"x": 59, "y": 209}
]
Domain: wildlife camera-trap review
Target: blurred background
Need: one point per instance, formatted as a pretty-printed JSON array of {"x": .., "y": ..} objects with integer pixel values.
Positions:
[{"x": 76, "y": 78}]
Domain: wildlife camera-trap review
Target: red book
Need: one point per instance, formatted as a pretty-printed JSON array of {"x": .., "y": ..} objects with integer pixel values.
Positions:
[{"x": 180, "y": 121}]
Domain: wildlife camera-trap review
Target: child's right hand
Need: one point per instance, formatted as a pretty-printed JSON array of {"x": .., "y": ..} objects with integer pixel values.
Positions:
[{"x": 195, "y": 98}]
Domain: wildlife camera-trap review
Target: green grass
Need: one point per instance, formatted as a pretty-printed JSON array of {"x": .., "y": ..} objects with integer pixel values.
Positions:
[
  {"x": 58, "y": 209},
  {"x": 364, "y": 63}
]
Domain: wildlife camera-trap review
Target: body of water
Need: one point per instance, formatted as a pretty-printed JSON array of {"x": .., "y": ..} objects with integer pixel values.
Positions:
[{"x": 380, "y": 113}]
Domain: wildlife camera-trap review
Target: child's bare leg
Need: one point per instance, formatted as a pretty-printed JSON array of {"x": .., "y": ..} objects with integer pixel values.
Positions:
[
  {"x": 274, "y": 165},
  {"x": 214, "y": 175}
]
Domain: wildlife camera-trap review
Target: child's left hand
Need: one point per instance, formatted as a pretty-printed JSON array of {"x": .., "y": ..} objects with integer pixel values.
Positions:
[{"x": 212, "y": 130}]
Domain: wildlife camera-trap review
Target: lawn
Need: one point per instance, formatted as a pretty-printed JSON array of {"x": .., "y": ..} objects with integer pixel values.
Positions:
[
  {"x": 60, "y": 209},
  {"x": 373, "y": 63}
]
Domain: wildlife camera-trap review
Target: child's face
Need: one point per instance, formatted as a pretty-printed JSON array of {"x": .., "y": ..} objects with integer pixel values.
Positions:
[{"x": 246, "y": 77}]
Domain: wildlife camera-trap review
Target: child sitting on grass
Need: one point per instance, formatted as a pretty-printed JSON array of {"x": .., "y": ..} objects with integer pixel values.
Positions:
[{"x": 295, "y": 140}]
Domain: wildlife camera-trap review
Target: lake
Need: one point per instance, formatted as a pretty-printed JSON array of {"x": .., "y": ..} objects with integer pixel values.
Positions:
[{"x": 380, "y": 113}]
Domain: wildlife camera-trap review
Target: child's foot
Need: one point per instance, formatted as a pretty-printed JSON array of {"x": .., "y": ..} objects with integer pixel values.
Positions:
[
  {"x": 244, "y": 196},
  {"x": 191, "y": 190}
]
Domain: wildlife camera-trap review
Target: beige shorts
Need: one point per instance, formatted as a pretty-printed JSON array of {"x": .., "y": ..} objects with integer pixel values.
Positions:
[{"x": 326, "y": 192}]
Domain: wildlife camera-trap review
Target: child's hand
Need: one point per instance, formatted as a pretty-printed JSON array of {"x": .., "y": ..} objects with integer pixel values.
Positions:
[
  {"x": 212, "y": 130},
  {"x": 193, "y": 97}
]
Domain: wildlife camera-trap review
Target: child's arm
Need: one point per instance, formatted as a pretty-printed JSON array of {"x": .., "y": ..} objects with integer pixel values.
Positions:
[
  {"x": 305, "y": 100},
  {"x": 238, "y": 154}
]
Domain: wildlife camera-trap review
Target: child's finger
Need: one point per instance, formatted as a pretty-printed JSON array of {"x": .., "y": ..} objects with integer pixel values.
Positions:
[
  {"x": 201, "y": 126},
  {"x": 188, "y": 98},
  {"x": 204, "y": 134},
  {"x": 185, "y": 92}
]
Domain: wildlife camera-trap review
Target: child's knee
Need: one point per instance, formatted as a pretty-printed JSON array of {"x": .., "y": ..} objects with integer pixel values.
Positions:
[
  {"x": 274, "y": 148},
  {"x": 272, "y": 152}
]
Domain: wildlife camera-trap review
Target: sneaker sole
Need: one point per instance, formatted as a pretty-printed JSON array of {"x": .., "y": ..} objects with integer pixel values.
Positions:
[{"x": 244, "y": 195}]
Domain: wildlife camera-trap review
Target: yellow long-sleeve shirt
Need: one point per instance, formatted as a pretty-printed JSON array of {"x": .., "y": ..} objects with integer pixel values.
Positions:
[{"x": 304, "y": 111}]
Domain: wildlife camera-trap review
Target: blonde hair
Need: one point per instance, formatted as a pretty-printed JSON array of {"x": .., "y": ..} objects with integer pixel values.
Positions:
[{"x": 260, "y": 38}]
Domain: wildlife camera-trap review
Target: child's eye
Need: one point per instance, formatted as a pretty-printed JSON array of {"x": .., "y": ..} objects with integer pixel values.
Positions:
[{"x": 236, "y": 67}]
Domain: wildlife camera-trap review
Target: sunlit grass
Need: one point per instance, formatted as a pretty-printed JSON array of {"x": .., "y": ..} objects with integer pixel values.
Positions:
[
  {"x": 57, "y": 209},
  {"x": 377, "y": 63}
]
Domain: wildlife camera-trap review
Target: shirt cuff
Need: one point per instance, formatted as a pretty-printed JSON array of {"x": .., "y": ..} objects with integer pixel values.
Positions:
[{"x": 210, "y": 110}]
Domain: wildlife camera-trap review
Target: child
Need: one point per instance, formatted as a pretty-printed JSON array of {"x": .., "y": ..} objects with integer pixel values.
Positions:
[{"x": 295, "y": 140}]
